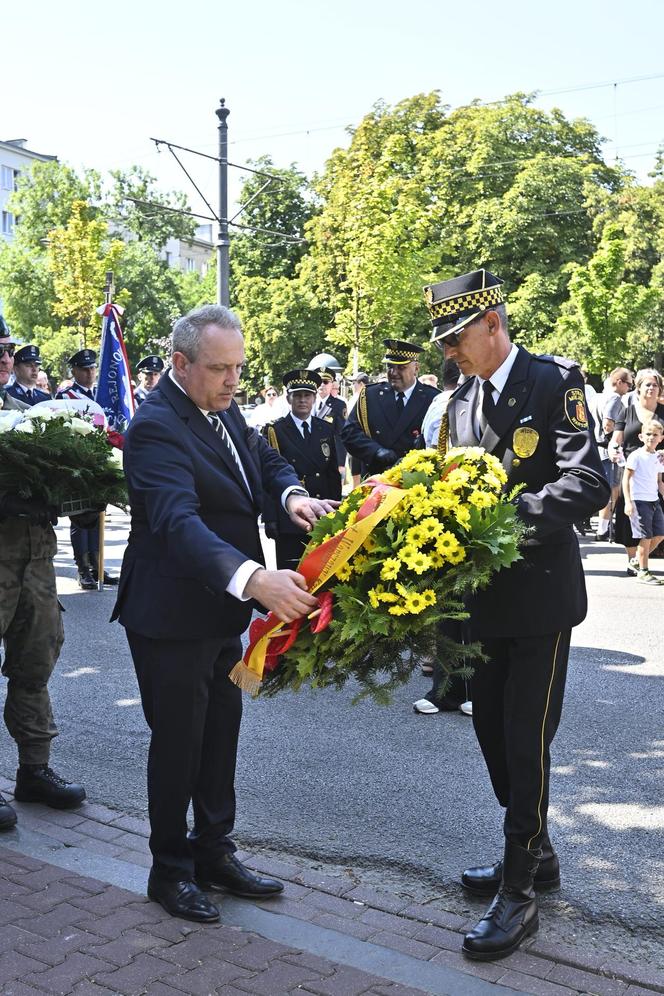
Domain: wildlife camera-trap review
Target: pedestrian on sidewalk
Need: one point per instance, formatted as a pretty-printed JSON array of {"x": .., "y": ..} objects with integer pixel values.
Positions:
[
  {"x": 530, "y": 412},
  {"x": 196, "y": 476},
  {"x": 642, "y": 487}
]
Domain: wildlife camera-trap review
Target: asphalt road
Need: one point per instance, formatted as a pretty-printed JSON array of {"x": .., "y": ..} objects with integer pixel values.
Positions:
[{"x": 402, "y": 800}]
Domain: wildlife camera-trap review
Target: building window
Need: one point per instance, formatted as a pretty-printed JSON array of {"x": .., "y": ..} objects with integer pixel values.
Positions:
[
  {"x": 168, "y": 256},
  {"x": 7, "y": 178},
  {"x": 7, "y": 223},
  {"x": 191, "y": 266}
]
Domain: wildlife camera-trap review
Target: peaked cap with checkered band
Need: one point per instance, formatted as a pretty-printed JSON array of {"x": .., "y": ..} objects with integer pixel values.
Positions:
[
  {"x": 454, "y": 303},
  {"x": 301, "y": 380},
  {"x": 398, "y": 352}
]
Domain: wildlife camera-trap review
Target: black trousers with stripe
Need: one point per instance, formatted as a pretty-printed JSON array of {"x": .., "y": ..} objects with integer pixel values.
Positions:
[{"x": 517, "y": 701}]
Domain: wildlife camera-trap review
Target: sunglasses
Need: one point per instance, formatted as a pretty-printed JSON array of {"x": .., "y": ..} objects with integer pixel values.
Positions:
[
  {"x": 271, "y": 394},
  {"x": 9, "y": 350}
]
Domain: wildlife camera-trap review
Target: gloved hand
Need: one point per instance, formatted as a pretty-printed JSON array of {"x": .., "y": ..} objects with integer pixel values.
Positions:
[
  {"x": 38, "y": 512},
  {"x": 384, "y": 458}
]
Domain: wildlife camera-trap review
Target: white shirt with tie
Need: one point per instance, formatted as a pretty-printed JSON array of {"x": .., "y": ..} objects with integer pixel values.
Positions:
[{"x": 498, "y": 380}]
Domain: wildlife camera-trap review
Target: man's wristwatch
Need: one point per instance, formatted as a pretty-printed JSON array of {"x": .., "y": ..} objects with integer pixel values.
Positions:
[{"x": 299, "y": 491}]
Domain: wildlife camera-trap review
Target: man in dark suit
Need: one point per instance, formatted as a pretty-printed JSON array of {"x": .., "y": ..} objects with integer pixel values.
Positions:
[
  {"x": 307, "y": 443},
  {"x": 196, "y": 476},
  {"x": 529, "y": 411},
  {"x": 386, "y": 421},
  {"x": 332, "y": 410}
]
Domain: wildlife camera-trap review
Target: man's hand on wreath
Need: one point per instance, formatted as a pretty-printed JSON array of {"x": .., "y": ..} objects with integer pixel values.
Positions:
[
  {"x": 305, "y": 512},
  {"x": 282, "y": 592},
  {"x": 384, "y": 458},
  {"x": 37, "y": 512}
]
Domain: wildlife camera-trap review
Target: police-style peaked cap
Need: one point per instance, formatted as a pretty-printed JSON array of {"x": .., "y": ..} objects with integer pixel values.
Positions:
[
  {"x": 84, "y": 358},
  {"x": 150, "y": 364},
  {"x": 27, "y": 354},
  {"x": 454, "y": 303},
  {"x": 398, "y": 352},
  {"x": 324, "y": 373},
  {"x": 301, "y": 380}
]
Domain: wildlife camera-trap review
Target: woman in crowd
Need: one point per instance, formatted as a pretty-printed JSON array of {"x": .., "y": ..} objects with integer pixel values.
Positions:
[
  {"x": 641, "y": 405},
  {"x": 268, "y": 411}
]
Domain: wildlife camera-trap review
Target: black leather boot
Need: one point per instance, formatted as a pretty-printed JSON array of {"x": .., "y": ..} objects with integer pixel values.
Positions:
[
  {"x": 512, "y": 916},
  {"x": 485, "y": 880},
  {"x": 39, "y": 783},
  {"x": 7, "y": 815},
  {"x": 85, "y": 579}
]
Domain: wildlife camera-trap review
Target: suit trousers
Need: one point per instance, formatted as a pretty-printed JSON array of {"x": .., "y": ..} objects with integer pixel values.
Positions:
[
  {"x": 289, "y": 549},
  {"x": 194, "y": 712},
  {"x": 517, "y": 701}
]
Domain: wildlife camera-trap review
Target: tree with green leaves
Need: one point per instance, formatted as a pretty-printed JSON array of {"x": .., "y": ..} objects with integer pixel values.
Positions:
[{"x": 136, "y": 206}]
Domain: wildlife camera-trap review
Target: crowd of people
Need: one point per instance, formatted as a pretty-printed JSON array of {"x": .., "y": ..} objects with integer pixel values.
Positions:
[{"x": 200, "y": 472}]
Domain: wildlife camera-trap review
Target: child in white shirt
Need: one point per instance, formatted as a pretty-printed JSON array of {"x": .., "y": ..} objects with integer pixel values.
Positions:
[{"x": 642, "y": 485}]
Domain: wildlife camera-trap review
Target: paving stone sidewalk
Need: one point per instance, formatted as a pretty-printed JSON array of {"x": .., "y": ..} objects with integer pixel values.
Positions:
[{"x": 74, "y": 919}]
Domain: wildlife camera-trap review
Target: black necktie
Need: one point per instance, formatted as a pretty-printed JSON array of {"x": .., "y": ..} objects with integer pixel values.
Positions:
[
  {"x": 401, "y": 404},
  {"x": 305, "y": 431},
  {"x": 488, "y": 406}
]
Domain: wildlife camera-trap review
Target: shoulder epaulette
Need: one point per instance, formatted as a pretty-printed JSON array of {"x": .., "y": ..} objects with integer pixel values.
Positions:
[
  {"x": 560, "y": 361},
  {"x": 272, "y": 438}
]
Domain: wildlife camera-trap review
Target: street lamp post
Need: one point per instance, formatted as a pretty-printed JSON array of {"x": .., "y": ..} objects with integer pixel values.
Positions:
[{"x": 223, "y": 242}]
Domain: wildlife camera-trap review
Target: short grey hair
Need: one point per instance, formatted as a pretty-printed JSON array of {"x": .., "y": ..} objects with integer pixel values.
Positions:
[{"x": 187, "y": 331}]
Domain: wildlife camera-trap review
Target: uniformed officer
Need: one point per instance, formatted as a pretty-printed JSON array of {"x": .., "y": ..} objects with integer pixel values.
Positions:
[
  {"x": 149, "y": 370},
  {"x": 307, "y": 442},
  {"x": 84, "y": 528},
  {"x": 332, "y": 410},
  {"x": 530, "y": 412},
  {"x": 8, "y": 344},
  {"x": 83, "y": 366},
  {"x": 27, "y": 362},
  {"x": 386, "y": 421}
]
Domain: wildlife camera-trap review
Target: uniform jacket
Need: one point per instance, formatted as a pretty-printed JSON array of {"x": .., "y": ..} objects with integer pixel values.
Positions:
[
  {"x": 20, "y": 395},
  {"x": 76, "y": 393},
  {"x": 314, "y": 462},
  {"x": 540, "y": 433},
  {"x": 193, "y": 522},
  {"x": 140, "y": 394},
  {"x": 387, "y": 428},
  {"x": 334, "y": 413}
]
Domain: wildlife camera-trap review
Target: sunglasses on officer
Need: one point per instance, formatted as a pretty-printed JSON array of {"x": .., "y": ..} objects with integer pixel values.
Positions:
[{"x": 9, "y": 350}]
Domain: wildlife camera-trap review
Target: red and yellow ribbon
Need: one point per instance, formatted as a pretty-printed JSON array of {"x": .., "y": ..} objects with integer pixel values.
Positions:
[{"x": 266, "y": 641}]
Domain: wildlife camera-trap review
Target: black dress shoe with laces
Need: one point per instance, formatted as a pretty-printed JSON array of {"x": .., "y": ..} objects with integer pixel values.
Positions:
[
  {"x": 39, "y": 783},
  {"x": 7, "y": 815},
  {"x": 183, "y": 899},
  {"x": 227, "y": 873}
]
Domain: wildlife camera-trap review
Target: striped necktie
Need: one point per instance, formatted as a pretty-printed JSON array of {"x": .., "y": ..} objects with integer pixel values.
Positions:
[{"x": 217, "y": 424}]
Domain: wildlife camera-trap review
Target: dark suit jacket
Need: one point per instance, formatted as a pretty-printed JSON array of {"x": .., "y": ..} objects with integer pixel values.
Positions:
[
  {"x": 314, "y": 462},
  {"x": 387, "y": 428},
  {"x": 564, "y": 483},
  {"x": 193, "y": 522}
]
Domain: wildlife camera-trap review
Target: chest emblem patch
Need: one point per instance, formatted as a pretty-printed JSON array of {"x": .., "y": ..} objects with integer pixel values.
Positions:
[
  {"x": 325, "y": 448},
  {"x": 575, "y": 408},
  {"x": 525, "y": 442}
]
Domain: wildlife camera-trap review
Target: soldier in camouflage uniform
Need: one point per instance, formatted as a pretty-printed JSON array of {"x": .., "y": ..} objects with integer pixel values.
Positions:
[{"x": 32, "y": 633}]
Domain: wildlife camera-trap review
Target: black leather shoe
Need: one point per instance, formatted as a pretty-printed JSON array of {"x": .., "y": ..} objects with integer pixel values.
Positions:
[
  {"x": 44, "y": 785},
  {"x": 7, "y": 815},
  {"x": 512, "y": 916},
  {"x": 485, "y": 879},
  {"x": 183, "y": 899},
  {"x": 230, "y": 874}
]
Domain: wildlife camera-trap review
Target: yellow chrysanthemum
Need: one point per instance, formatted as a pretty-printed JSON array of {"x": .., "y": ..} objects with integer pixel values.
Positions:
[
  {"x": 416, "y": 536},
  {"x": 415, "y": 604},
  {"x": 457, "y": 555},
  {"x": 418, "y": 563},
  {"x": 437, "y": 559},
  {"x": 407, "y": 551},
  {"x": 481, "y": 499},
  {"x": 492, "y": 480},
  {"x": 360, "y": 563},
  {"x": 430, "y": 527},
  {"x": 398, "y": 610},
  {"x": 457, "y": 478},
  {"x": 370, "y": 544},
  {"x": 446, "y": 544},
  {"x": 392, "y": 476},
  {"x": 429, "y": 596},
  {"x": 352, "y": 516},
  {"x": 462, "y": 515},
  {"x": 344, "y": 572},
  {"x": 390, "y": 569}
]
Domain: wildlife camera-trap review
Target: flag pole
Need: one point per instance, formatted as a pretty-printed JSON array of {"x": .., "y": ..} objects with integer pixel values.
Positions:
[{"x": 108, "y": 298}]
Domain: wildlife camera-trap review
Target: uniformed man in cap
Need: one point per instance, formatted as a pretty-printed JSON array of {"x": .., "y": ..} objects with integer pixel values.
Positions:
[
  {"x": 83, "y": 366},
  {"x": 307, "y": 442},
  {"x": 529, "y": 411},
  {"x": 84, "y": 528},
  {"x": 8, "y": 344},
  {"x": 24, "y": 391},
  {"x": 149, "y": 370},
  {"x": 386, "y": 421},
  {"x": 332, "y": 410}
]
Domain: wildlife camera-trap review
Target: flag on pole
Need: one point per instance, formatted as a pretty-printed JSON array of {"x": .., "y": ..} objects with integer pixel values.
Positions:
[{"x": 114, "y": 391}]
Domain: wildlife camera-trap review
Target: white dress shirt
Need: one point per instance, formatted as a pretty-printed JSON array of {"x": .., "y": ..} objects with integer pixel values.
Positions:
[{"x": 498, "y": 380}]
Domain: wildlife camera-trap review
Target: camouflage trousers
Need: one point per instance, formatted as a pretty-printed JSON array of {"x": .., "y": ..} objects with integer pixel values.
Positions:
[{"x": 32, "y": 631}]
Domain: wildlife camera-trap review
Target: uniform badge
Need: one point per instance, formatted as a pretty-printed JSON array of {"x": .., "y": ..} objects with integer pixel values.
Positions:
[
  {"x": 525, "y": 442},
  {"x": 328, "y": 418},
  {"x": 325, "y": 449},
  {"x": 575, "y": 408}
]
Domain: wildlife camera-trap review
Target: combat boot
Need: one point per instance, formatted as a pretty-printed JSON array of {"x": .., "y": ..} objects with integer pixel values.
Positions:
[
  {"x": 485, "y": 879},
  {"x": 39, "y": 783},
  {"x": 85, "y": 579},
  {"x": 7, "y": 815},
  {"x": 512, "y": 916}
]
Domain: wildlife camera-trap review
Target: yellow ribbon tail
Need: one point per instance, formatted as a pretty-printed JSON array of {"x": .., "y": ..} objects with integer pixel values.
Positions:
[{"x": 246, "y": 679}]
